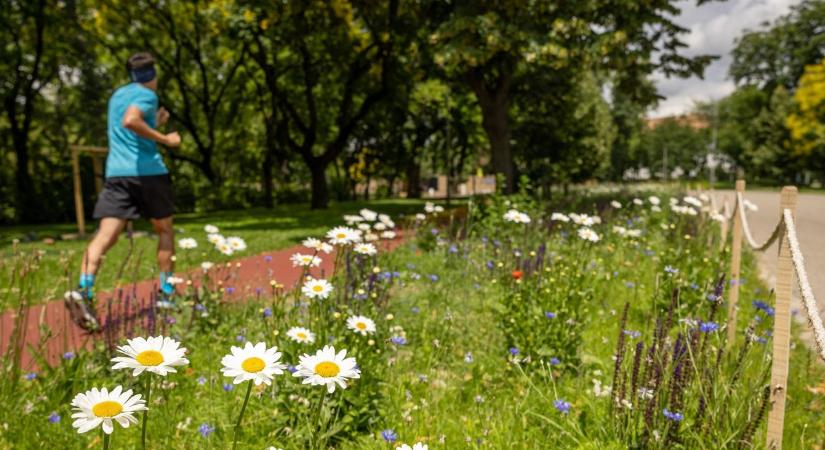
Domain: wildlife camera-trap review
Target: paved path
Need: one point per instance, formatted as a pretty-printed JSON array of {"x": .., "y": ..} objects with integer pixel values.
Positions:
[
  {"x": 48, "y": 330},
  {"x": 810, "y": 226}
]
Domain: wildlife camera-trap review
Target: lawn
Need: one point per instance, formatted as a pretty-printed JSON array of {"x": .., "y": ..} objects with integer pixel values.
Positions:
[
  {"x": 566, "y": 331},
  {"x": 56, "y": 264}
]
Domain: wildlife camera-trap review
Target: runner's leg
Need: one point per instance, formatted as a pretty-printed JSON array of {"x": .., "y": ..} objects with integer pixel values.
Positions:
[
  {"x": 107, "y": 234},
  {"x": 166, "y": 249}
]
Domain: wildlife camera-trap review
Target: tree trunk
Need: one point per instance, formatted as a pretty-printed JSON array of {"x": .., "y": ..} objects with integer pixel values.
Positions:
[
  {"x": 413, "y": 178},
  {"x": 26, "y": 201},
  {"x": 495, "y": 103},
  {"x": 266, "y": 176},
  {"x": 320, "y": 190}
]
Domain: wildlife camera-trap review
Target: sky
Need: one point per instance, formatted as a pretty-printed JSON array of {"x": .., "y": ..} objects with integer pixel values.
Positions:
[{"x": 713, "y": 28}]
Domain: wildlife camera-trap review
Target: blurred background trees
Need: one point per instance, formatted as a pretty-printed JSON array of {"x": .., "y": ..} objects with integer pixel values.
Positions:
[{"x": 320, "y": 100}]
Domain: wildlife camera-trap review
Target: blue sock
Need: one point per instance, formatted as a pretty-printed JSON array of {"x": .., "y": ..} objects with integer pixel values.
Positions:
[
  {"x": 164, "y": 284},
  {"x": 87, "y": 282}
]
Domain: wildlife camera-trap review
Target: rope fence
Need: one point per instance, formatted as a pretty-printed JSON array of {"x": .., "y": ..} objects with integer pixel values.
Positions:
[{"x": 790, "y": 262}]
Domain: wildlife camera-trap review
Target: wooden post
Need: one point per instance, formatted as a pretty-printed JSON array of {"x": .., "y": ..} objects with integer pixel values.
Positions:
[
  {"x": 97, "y": 165},
  {"x": 735, "y": 264},
  {"x": 781, "y": 327},
  {"x": 78, "y": 194}
]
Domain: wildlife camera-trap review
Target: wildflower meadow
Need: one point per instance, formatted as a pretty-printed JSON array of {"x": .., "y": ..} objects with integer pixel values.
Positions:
[{"x": 596, "y": 321}]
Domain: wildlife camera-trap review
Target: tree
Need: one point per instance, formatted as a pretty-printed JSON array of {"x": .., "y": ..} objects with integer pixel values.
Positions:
[
  {"x": 29, "y": 62},
  {"x": 777, "y": 55},
  {"x": 325, "y": 65},
  {"x": 488, "y": 43},
  {"x": 807, "y": 121}
]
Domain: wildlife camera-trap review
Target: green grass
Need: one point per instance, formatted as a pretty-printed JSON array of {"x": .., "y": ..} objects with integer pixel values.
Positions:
[
  {"x": 57, "y": 265},
  {"x": 455, "y": 384}
]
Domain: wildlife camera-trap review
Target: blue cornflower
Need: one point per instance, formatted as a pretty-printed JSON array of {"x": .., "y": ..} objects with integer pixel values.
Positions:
[
  {"x": 496, "y": 243},
  {"x": 673, "y": 415},
  {"x": 554, "y": 361},
  {"x": 200, "y": 307},
  {"x": 694, "y": 286},
  {"x": 632, "y": 333},
  {"x": 764, "y": 307},
  {"x": 267, "y": 312},
  {"x": 68, "y": 355},
  {"x": 712, "y": 297},
  {"x": 415, "y": 310},
  {"x": 433, "y": 278},
  {"x": 468, "y": 357},
  {"x": 708, "y": 327},
  {"x": 550, "y": 315},
  {"x": 228, "y": 387},
  {"x": 514, "y": 351},
  {"x": 31, "y": 376},
  {"x": 399, "y": 340},
  {"x": 291, "y": 369},
  {"x": 629, "y": 284},
  {"x": 268, "y": 258},
  {"x": 671, "y": 270},
  {"x": 201, "y": 380},
  {"x": 389, "y": 435},
  {"x": 259, "y": 291},
  {"x": 649, "y": 252},
  {"x": 54, "y": 417},
  {"x": 562, "y": 406},
  {"x": 205, "y": 429},
  {"x": 240, "y": 338},
  {"x": 490, "y": 265},
  {"x": 453, "y": 249},
  {"x": 434, "y": 231},
  {"x": 229, "y": 290}
]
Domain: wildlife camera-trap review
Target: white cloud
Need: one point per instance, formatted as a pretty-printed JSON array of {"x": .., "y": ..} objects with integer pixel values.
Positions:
[{"x": 713, "y": 29}]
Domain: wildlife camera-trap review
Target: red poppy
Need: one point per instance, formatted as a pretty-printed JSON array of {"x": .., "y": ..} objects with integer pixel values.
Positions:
[{"x": 516, "y": 274}]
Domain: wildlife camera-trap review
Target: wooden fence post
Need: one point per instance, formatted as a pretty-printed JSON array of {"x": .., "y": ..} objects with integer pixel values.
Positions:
[
  {"x": 735, "y": 264},
  {"x": 781, "y": 327},
  {"x": 78, "y": 194}
]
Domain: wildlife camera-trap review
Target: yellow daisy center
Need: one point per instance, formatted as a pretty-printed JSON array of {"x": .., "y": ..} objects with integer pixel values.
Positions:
[
  {"x": 361, "y": 326},
  {"x": 107, "y": 408},
  {"x": 317, "y": 288},
  {"x": 327, "y": 369},
  {"x": 149, "y": 358},
  {"x": 253, "y": 364},
  {"x": 341, "y": 235},
  {"x": 300, "y": 335}
]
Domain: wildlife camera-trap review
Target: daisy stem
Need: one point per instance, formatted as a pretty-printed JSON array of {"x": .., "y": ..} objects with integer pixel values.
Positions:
[
  {"x": 240, "y": 416},
  {"x": 105, "y": 441},
  {"x": 146, "y": 411}
]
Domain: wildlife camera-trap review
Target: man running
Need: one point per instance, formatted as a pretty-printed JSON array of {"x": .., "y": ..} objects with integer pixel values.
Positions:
[{"x": 137, "y": 183}]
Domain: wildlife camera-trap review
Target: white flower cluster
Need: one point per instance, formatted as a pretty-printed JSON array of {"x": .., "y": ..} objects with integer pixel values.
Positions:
[{"x": 516, "y": 216}]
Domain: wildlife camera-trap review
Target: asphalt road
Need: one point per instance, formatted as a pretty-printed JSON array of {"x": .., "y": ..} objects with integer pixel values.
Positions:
[{"x": 810, "y": 226}]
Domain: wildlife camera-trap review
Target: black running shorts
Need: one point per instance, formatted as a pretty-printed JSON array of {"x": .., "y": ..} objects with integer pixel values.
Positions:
[{"x": 133, "y": 197}]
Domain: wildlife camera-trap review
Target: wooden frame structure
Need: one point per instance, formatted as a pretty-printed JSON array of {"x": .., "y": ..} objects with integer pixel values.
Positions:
[{"x": 98, "y": 154}]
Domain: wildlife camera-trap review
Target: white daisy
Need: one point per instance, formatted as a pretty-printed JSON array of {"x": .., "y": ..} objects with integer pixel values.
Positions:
[
  {"x": 615, "y": 204},
  {"x": 389, "y": 234},
  {"x": 379, "y": 226},
  {"x": 253, "y": 363},
  {"x": 236, "y": 243},
  {"x": 365, "y": 249},
  {"x": 371, "y": 237},
  {"x": 187, "y": 243},
  {"x": 361, "y": 325},
  {"x": 588, "y": 234},
  {"x": 316, "y": 288},
  {"x": 633, "y": 233},
  {"x": 692, "y": 201},
  {"x": 368, "y": 214},
  {"x": 211, "y": 229},
  {"x": 386, "y": 220},
  {"x": 317, "y": 245},
  {"x": 417, "y": 446},
  {"x": 429, "y": 207},
  {"x": 556, "y": 216},
  {"x": 157, "y": 354},
  {"x": 352, "y": 219},
  {"x": 420, "y": 217},
  {"x": 638, "y": 202},
  {"x": 654, "y": 200},
  {"x": 96, "y": 407},
  {"x": 302, "y": 260},
  {"x": 343, "y": 236},
  {"x": 327, "y": 368},
  {"x": 225, "y": 248},
  {"x": 364, "y": 227},
  {"x": 301, "y": 335},
  {"x": 206, "y": 265},
  {"x": 215, "y": 238},
  {"x": 438, "y": 208},
  {"x": 621, "y": 231}
]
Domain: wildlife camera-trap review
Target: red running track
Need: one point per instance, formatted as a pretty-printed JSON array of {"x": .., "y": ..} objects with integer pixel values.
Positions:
[{"x": 48, "y": 329}]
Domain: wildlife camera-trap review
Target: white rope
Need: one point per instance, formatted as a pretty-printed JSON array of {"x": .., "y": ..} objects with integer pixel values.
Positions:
[
  {"x": 808, "y": 298},
  {"x": 740, "y": 206}
]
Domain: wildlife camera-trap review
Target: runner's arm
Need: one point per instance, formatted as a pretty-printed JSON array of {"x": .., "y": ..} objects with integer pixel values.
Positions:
[{"x": 133, "y": 120}]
